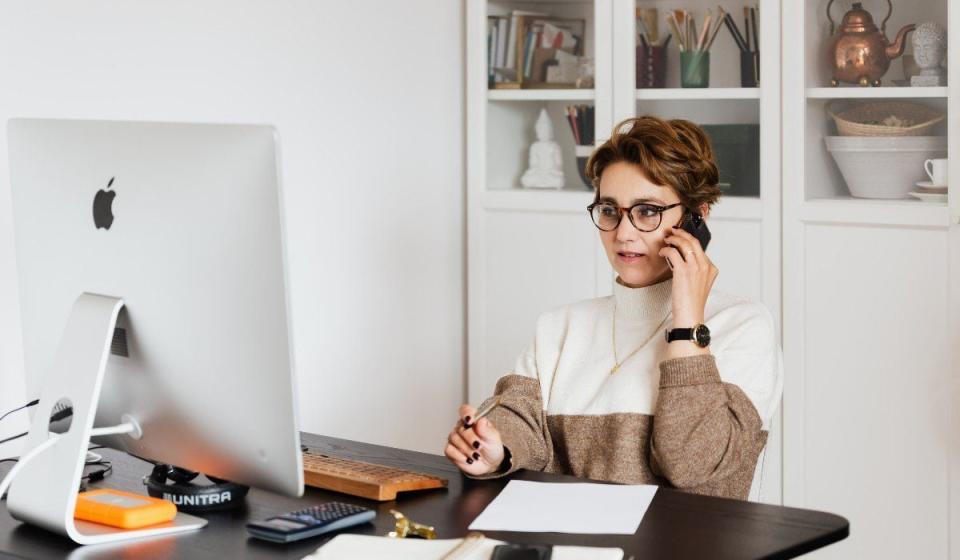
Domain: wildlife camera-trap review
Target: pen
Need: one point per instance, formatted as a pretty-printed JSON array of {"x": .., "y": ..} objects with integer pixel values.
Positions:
[{"x": 484, "y": 410}]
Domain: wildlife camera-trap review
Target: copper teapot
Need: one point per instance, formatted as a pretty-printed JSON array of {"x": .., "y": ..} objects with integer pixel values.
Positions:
[{"x": 859, "y": 53}]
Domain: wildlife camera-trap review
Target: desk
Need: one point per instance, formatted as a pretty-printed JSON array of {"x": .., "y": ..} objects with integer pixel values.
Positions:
[{"x": 677, "y": 525}]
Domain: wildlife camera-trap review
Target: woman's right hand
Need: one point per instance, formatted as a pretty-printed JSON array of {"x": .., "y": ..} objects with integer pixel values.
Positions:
[{"x": 475, "y": 448}]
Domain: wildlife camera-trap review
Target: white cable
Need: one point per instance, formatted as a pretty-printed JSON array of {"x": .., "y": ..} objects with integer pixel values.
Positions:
[
  {"x": 24, "y": 459},
  {"x": 125, "y": 428}
]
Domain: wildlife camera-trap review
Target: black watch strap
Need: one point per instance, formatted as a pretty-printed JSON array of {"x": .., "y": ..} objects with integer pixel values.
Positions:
[
  {"x": 679, "y": 334},
  {"x": 699, "y": 335}
]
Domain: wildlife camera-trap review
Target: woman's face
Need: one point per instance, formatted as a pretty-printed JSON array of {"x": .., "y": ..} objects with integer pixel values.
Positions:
[{"x": 634, "y": 254}]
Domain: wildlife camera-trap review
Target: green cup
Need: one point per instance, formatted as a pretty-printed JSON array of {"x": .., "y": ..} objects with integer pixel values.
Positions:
[{"x": 695, "y": 69}]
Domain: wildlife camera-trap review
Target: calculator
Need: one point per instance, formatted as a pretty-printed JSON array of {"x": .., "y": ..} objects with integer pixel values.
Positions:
[{"x": 309, "y": 522}]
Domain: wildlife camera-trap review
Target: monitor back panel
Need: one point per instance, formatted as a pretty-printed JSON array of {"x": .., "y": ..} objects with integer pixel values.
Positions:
[{"x": 195, "y": 249}]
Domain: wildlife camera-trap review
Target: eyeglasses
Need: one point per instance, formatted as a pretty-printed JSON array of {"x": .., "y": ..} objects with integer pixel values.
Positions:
[{"x": 644, "y": 217}]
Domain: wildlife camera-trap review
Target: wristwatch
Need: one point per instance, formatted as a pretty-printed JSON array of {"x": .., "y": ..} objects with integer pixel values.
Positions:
[{"x": 699, "y": 334}]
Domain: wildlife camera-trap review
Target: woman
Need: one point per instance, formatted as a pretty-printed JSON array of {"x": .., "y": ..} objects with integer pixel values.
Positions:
[{"x": 601, "y": 393}]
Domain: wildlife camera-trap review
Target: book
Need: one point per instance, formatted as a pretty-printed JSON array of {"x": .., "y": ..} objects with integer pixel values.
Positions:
[
  {"x": 473, "y": 547},
  {"x": 491, "y": 47},
  {"x": 511, "y": 61},
  {"x": 502, "y": 24}
]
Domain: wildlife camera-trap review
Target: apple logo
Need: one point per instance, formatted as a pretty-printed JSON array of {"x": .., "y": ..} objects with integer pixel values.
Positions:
[{"x": 103, "y": 207}]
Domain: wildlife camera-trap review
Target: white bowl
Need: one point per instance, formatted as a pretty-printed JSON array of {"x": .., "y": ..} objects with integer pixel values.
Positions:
[{"x": 883, "y": 166}]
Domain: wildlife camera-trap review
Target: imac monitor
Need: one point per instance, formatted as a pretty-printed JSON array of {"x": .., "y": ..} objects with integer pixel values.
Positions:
[{"x": 183, "y": 223}]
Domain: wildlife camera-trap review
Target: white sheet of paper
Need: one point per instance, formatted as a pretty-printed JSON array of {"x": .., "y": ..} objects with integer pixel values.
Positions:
[{"x": 547, "y": 507}]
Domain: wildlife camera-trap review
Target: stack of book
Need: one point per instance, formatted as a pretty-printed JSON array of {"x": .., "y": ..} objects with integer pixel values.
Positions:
[{"x": 532, "y": 49}]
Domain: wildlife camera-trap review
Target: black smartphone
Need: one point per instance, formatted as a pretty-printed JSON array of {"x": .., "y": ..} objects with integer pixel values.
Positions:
[
  {"x": 696, "y": 226},
  {"x": 522, "y": 552}
]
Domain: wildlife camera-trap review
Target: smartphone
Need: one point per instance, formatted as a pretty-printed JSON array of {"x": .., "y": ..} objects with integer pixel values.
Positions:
[
  {"x": 696, "y": 226},
  {"x": 522, "y": 552}
]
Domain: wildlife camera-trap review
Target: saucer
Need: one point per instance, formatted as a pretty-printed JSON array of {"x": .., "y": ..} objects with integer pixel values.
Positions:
[
  {"x": 929, "y": 197},
  {"x": 929, "y": 185}
]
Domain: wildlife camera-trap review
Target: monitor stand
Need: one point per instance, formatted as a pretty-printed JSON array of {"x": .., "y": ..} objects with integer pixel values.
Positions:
[{"x": 44, "y": 493}]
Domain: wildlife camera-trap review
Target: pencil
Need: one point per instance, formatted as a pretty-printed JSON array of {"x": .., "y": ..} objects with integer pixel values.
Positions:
[
  {"x": 737, "y": 37},
  {"x": 676, "y": 31},
  {"x": 484, "y": 410},
  {"x": 702, "y": 40},
  {"x": 716, "y": 29},
  {"x": 756, "y": 30}
]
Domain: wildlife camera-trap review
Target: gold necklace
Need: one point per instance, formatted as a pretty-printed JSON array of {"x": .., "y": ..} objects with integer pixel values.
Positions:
[{"x": 617, "y": 363}]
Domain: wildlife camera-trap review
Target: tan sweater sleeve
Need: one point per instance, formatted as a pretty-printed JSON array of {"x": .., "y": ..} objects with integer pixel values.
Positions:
[
  {"x": 521, "y": 420},
  {"x": 707, "y": 435}
]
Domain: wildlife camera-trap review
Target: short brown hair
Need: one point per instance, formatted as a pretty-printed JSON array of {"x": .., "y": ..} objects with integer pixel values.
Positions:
[{"x": 675, "y": 153}]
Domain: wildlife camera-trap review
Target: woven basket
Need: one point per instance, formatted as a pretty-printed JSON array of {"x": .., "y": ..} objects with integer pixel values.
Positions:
[{"x": 864, "y": 119}]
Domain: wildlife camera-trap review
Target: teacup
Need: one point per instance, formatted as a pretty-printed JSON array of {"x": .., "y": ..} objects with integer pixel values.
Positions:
[{"x": 937, "y": 170}]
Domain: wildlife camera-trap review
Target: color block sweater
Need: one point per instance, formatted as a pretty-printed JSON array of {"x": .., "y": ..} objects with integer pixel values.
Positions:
[{"x": 696, "y": 423}]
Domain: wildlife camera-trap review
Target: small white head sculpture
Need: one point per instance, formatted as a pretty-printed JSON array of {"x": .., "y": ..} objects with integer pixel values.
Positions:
[
  {"x": 929, "y": 46},
  {"x": 544, "y": 128}
]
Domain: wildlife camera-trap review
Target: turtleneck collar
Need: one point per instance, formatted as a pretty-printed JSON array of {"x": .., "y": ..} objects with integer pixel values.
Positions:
[{"x": 650, "y": 303}]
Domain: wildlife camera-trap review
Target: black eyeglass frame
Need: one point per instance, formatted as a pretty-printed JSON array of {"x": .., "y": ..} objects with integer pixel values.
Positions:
[{"x": 629, "y": 211}]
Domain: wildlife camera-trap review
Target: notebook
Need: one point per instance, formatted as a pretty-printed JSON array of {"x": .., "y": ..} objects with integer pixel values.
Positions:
[{"x": 474, "y": 547}]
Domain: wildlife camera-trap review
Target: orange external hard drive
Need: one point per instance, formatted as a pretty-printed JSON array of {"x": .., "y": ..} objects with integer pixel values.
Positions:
[{"x": 122, "y": 509}]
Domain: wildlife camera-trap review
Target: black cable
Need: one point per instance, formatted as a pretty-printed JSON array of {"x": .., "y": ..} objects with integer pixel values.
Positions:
[
  {"x": 55, "y": 417},
  {"x": 28, "y": 405},
  {"x": 11, "y": 438},
  {"x": 97, "y": 476}
]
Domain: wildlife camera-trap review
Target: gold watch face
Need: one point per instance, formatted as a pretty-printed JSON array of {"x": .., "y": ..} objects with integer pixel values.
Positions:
[{"x": 701, "y": 335}]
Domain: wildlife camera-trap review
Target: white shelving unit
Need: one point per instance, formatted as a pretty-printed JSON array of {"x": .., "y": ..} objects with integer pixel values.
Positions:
[
  {"x": 867, "y": 292},
  {"x": 705, "y": 94},
  {"x": 528, "y": 250},
  {"x": 541, "y": 94},
  {"x": 871, "y": 320},
  {"x": 876, "y": 93},
  {"x": 746, "y": 246}
]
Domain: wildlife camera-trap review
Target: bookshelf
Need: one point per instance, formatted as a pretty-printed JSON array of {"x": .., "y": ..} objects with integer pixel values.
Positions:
[
  {"x": 892, "y": 92},
  {"x": 692, "y": 94},
  {"x": 845, "y": 257},
  {"x": 746, "y": 223},
  {"x": 541, "y": 94},
  {"x": 865, "y": 292},
  {"x": 533, "y": 250},
  {"x": 527, "y": 250}
]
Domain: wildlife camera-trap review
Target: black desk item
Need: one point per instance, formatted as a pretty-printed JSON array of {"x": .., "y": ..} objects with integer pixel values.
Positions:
[
  {"x": 515, "y": 551},
  {"x": 678, "y": 525},
  {"x": 310, "y": 522}
]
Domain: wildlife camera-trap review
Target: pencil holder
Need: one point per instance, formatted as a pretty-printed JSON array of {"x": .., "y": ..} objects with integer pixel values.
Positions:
[
  {"x": 695, "y": 69},
  {"x": 651, "y": 66},
  {"x": 749, "y": 69},
  {"x": 583, "y": 154}
]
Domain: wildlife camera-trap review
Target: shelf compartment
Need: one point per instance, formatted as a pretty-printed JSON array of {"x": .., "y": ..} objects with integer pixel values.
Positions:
[
  {"x": 541, "y": 94},
  {"x": 862, "y": 211},
  {"x": 693, "y": 94},
  {"x": 877, "y": 92}
]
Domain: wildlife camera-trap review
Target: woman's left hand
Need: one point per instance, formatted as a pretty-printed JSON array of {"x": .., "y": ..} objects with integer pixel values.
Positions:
[{"x": 693, "y": 277}]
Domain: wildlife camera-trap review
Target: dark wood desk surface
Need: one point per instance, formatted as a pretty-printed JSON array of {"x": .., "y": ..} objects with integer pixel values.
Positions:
[{"x": 677, "y": 525}]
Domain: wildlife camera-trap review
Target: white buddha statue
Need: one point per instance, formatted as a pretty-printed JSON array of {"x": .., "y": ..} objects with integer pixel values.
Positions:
[
  {"x": 929, "y": 49},
  {"x": 546, "y": 163}
]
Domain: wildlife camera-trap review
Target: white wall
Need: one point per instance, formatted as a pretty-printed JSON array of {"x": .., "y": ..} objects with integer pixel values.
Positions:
[{"x": 368, "y": 99}]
